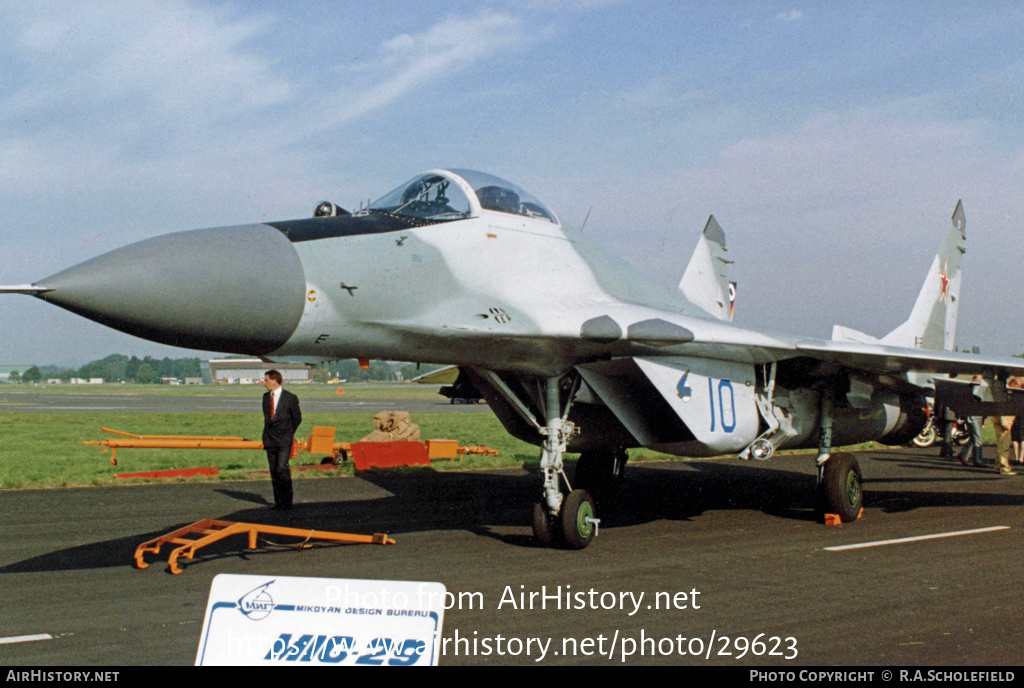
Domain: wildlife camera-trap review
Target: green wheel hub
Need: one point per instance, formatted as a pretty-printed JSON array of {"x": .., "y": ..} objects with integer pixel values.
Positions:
[
  {"x": 584, "y": 526},
  {"x": 577, "y": 519},
  {"x": 852, "y": 489}
]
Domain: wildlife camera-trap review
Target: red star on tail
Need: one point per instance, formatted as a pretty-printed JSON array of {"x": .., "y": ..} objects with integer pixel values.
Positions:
[{"x": 944, "y": 278}]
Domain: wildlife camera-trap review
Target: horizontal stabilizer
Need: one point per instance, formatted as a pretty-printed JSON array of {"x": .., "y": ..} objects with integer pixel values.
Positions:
[{"x": 848, "y": 334}]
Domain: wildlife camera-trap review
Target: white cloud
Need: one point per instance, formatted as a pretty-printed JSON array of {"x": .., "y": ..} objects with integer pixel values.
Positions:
[
  {"x": 412, "y": 62},
  {"x": 834, "y": 221},
  {"x": 161, "y": 57},
  {"x": 97, "y": 91},
  {"x": 790, "y": 16},
  {"x": 105, "y": 94}
]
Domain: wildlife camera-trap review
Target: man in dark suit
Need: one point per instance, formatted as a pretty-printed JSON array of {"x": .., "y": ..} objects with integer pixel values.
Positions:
[{"x": 281, "y": 417}]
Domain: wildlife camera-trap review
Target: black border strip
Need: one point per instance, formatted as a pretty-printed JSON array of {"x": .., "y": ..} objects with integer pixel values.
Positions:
[{"x": 374, "y": 222}]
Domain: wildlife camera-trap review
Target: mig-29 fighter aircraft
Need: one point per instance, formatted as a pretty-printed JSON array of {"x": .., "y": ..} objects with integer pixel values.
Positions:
[{"x": 572, "y": 349}]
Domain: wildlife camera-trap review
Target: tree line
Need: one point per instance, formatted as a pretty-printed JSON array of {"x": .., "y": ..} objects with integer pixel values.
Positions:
[
  {"x": 117, "y": 368},
  {"x": 149, "y": 370}
]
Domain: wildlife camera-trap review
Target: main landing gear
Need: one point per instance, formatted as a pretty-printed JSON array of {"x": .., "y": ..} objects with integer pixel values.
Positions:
[
  {"x": 567, "y": 512},
  {"x": 839, "y": 477},
  {"x": 839, "y": 487},
  {"x": 595, "y": 482},
  {"x": 569, "y": 518}
]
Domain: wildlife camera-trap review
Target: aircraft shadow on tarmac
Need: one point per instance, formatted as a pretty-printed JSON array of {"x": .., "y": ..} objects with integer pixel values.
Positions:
[
  {"x": 426, "y": 500},
  {"x": 909, "y": 466}
]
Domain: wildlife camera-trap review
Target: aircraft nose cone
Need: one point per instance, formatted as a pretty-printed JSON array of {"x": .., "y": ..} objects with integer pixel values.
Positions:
[{"x": 232, "y": 289}]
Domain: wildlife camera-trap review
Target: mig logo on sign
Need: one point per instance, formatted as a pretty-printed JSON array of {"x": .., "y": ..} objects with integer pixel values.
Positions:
[{"x": 257, "y": 603}]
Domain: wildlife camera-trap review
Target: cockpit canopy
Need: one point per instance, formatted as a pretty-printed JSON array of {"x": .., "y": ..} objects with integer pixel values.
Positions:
[{"x": 444, "y": 195}]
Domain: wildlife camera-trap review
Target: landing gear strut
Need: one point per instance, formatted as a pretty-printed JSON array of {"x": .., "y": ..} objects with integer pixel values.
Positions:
[
  {"x": 564, "y": 515},
  {"x": 569, "y": 518}
]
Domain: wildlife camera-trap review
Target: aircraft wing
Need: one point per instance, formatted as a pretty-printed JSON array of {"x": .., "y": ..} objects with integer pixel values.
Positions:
[
  {"x": 441, "y": 376},
  {"x": 894, "y": 359}
]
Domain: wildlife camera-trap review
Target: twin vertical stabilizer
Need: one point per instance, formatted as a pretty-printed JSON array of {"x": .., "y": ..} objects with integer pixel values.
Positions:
[
  {"x": 704, "y": 283},
  {"x": 932, "y": 322}
]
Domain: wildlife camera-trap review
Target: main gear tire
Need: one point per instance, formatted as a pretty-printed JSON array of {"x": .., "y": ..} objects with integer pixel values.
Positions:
[{"x": 841, "y": 487}]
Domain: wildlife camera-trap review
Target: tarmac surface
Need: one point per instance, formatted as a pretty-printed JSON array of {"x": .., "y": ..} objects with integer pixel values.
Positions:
[{"x": 743, "y": 536}]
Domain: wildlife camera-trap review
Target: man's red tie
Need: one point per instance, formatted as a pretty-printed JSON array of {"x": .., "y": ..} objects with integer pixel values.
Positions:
[{"x": 273, "y": 406}]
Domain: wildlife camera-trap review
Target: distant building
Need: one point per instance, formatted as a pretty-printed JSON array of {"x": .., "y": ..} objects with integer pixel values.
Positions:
[
  {"x": 6, "y": 370},
  {"x": 250, "y": 371}
]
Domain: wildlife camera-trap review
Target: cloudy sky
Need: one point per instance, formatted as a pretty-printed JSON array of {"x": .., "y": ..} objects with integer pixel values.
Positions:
[{"x": 830, "y": 140}]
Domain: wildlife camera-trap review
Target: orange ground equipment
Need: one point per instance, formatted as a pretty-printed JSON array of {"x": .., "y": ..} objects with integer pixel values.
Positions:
[
  {"x": 127, "y": 439},
  {"x": 172, "y": 473},
  {"x": 837, "y": 520},
  {"x": 211, "y": 531},
  {"x": 366, "y": 455},
  {"x": 321, "y": 441}
]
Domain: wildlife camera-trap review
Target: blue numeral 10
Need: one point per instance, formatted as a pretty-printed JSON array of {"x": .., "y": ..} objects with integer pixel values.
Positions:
[{"x": 728, "y": 415}]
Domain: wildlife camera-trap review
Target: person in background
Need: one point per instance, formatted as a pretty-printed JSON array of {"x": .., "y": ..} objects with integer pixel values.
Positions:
[
  {"x": 1017, "y": 429},
  {"x": 281, "y": 417},
  {"x": 973, "y": 447}
]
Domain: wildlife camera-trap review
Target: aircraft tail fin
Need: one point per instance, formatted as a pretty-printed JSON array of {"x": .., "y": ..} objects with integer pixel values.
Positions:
[
  {"x": 932, "y": 322},
  {"x": 704, "y": 283}
]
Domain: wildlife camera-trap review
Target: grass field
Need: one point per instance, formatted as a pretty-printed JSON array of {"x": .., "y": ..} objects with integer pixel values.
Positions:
[
  {"x": 45, "y": 450},
  {"x": 356, "y": 390}
]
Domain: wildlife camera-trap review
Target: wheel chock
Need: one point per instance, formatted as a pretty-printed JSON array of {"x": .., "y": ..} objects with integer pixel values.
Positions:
[
  {"x": 835, "y": 520},
  {"x": 211, "y": 531}
]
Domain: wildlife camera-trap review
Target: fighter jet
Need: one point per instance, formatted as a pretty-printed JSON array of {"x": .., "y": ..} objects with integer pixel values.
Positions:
[{"x": 573, "y": 350}]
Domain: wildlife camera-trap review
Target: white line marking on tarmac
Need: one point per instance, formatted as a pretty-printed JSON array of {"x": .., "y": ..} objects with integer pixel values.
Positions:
[
  {"x": 25, "y": 638},
  {"x": 900, "y": 541}
]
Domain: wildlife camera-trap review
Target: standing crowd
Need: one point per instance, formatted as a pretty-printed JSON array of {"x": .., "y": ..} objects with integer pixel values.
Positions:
[{"x": 1009, "y": 436}]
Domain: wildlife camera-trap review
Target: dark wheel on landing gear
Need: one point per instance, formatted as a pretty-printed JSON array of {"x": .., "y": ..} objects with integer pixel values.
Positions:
[
  {"x": 840, "y": 487},
  {"x": 542, "y": 527},
  {"x": 576, "y": 519}
]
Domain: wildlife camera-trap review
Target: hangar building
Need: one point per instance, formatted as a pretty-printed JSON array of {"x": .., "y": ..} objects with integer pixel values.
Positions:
[{"x": 250, "y": 371}]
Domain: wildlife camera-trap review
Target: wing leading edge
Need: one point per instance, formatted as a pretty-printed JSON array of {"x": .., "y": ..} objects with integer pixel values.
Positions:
[{"x": 894, "y": 359}]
